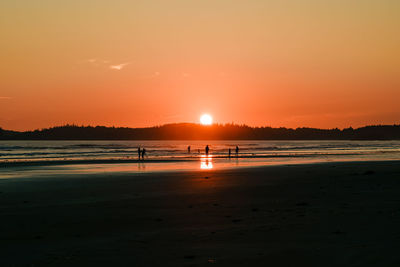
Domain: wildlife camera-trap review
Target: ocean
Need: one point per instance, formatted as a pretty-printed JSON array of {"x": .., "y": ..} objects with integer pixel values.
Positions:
[{"x": 17, "y": 157}]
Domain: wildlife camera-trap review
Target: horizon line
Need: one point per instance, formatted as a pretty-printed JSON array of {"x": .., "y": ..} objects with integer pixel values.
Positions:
[{"x": 197, "y": 124}]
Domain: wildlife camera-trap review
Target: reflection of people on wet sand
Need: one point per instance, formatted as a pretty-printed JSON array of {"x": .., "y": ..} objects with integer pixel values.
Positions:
[
  {"x": 188, "y": 149},
  {"x": 207, "y": 150},
  {"x": 138, "y": 151},
  {"x": 229, "y": 152},
  {"x": 143, "y": 153},
  {"x": 141, "y": 166}
]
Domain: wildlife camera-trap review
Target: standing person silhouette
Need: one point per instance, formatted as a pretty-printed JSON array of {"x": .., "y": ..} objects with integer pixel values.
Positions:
[
  {"x": 207, "y": 150},
  {"x": 138, "y": 151},
  {"x": 188, "y": 148},
  {"x": 229, "y": 152},
  {"x": 143, "y": 153},
  {"x": 237, "y": 151}
]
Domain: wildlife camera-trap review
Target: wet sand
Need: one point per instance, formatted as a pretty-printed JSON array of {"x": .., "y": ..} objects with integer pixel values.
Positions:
[{"x": 334, "y": 214}]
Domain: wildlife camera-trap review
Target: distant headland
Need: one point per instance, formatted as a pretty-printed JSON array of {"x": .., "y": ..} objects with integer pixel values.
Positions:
[{"x": 192, "y": 131}]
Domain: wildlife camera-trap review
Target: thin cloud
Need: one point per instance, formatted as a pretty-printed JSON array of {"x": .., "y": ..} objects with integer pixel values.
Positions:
[
  {"x": 120, "y": 66},
  {"x": 5, "y": 97},
  {"x": 95, "y": 61},
  {"x": 105, "y": 63}
]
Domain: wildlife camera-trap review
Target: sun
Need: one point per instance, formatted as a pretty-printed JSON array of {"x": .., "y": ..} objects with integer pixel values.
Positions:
[{"x": 206, "y": 119}]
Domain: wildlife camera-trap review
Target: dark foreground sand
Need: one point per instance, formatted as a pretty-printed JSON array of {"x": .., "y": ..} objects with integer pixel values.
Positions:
[{"x": 338, "y": 214}]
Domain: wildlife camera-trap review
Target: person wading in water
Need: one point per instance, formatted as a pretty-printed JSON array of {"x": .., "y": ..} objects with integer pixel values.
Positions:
[{"x": 143, "y": 153}]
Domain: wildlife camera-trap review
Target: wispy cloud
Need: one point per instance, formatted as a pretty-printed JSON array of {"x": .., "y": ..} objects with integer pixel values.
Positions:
[
  {"x": 105, "y": 63},
  {"x": 120, "y": 66},
  {"x": 5, "y": 97},
  {"x": 99, "y": 62}
]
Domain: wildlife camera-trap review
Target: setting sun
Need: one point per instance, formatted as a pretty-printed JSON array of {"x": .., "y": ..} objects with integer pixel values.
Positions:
[{"x": 206, "y": 119}]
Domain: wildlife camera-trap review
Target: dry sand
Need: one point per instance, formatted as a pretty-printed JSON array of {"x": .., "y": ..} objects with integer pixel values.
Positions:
[{"x": 336, "y": 214}]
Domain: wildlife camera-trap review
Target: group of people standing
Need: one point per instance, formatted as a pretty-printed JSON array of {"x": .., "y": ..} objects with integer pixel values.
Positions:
[
  {"x": 236, "y": 152},
  {"x": 141, "y": 152},
  {"x": 207, "y": 150}
]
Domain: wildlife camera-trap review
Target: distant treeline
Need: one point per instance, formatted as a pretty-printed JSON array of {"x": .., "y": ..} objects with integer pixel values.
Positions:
[{"x": 190, "y": 131}]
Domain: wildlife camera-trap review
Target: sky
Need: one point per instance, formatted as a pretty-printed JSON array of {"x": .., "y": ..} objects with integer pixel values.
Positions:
[{"x": 312, "y": 63}]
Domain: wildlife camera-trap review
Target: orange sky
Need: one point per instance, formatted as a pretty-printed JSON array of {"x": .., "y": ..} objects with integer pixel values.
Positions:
[{"x": 143, "y": 63}]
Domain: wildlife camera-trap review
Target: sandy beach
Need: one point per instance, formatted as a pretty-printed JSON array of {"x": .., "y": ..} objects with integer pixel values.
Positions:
[{"x": 331, "y": 214}]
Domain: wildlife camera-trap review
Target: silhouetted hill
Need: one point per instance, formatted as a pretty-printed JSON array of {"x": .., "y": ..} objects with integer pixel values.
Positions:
[{"x": 190, "y": 131}]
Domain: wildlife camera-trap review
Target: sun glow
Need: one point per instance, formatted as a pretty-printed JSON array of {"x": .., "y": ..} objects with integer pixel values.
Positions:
[
  {"x": 206, "y": 119},
  {"x": 206, "y": 162}
]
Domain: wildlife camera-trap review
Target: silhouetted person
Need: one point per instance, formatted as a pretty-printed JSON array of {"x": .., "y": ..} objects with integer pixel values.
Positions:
[
  {"x": 188, "y": 149},
  {"x": 143, "y": 153},
  {"x": 198, "y": 150},
  {"x": 237, "y": 151},
  {"x": 229, "y": 152},
  {"x": 207, "y": 150},
  {"x": 138, "y": 151}
]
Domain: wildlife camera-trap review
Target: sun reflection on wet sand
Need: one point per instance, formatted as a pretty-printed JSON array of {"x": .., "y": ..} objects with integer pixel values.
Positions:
[{"x": 206, "y": 162}]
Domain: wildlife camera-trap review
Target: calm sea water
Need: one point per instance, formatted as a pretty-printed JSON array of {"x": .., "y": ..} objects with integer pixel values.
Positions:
[{"x": 161, "y": 155}]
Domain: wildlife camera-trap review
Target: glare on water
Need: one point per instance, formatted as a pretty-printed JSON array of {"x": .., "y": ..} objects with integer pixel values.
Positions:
[
  {"x": 206, "y": 162},
  {"x": 121, "y": 156}
]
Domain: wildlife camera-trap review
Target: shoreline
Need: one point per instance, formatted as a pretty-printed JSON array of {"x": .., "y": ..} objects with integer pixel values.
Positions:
[
  {"x": 40, "y": 162},
  {"x": 113, "y": 168}
]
